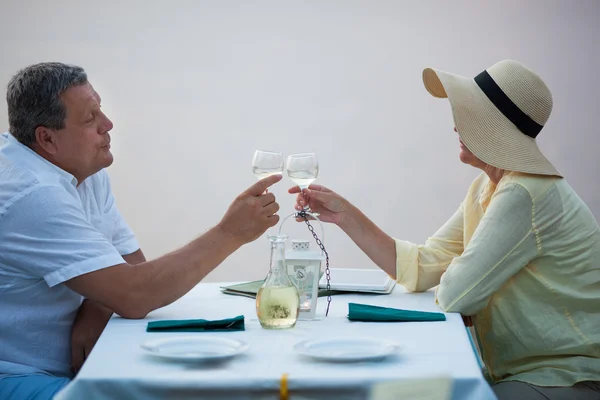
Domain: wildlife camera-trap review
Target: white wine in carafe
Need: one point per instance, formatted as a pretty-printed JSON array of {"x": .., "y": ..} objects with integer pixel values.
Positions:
[
  {"x": 277, "y": 300},
  {"x": 277, "y": 307}
]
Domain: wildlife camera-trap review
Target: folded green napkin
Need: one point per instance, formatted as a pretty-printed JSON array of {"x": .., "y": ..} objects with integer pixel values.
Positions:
[
  {"x": 367, "y": 313},
  {"x": 197, "y": 325}
]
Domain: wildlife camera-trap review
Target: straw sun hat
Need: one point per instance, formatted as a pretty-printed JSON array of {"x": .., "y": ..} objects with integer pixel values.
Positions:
[{"x": 498, "y": 114}]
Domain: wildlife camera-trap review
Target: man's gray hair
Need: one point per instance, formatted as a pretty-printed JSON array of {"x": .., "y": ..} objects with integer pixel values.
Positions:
[{"x": 33, "y": 97}]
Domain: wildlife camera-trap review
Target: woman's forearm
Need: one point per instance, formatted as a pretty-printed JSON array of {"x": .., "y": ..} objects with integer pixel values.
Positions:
[{"x": 375, "y": 243}]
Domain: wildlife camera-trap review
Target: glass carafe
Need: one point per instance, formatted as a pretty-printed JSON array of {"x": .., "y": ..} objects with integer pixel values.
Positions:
[{"x": 277, "y": 302}]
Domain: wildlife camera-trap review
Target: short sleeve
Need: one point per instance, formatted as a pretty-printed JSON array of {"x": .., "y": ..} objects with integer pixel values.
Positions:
[{"x": 45, "y": 234}]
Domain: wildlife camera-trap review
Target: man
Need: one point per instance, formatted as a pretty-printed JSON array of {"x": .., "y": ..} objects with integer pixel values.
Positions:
[{"x": 62, "y": 239}]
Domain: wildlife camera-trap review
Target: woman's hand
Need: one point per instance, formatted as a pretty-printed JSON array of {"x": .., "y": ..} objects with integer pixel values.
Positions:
[
  {"x": 331, "y": 206},
  {"x": 379, "y": 246}
]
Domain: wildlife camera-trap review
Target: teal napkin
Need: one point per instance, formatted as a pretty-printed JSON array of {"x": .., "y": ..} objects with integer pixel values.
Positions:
[
  {"x": 367, "y": 313},
  {"x": 197, "y": 325}
]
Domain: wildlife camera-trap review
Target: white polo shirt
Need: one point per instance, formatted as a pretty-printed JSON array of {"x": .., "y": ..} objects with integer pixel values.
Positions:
[{"x": 51, "y": 230}]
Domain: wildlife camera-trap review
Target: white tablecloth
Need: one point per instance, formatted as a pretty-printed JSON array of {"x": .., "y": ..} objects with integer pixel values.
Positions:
[{"x": 118, "y": 368}]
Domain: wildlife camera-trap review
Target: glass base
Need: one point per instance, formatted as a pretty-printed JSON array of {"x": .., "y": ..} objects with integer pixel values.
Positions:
[{"x": 278, "y": 324}]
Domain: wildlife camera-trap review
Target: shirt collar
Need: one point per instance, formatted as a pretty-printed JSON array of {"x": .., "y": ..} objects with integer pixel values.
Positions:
[{"x": 29, "y": 158}]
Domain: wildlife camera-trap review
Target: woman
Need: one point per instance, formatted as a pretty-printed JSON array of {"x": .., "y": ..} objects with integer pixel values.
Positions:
[{"x": 521, "y": 255}]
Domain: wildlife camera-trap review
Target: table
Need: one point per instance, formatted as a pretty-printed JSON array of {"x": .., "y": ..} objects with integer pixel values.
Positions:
[{"x": 118, "y": 368}]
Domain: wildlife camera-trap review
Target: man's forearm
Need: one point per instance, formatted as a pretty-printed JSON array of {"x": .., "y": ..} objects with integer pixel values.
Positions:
[
  {"x": 137, "y": 257},
  {"x": 132, "y": 291},
  {"x": 161, "y": 281},
  {"x": 104, "y": 313},
  {"x": 374, "y": 242}
]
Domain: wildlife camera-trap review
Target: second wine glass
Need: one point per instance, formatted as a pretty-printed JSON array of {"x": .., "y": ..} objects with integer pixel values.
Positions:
[{"x": 303, "y": 169}]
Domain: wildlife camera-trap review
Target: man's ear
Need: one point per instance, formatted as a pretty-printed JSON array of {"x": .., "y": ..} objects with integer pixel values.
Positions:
[{"x": 46, "y": 139}]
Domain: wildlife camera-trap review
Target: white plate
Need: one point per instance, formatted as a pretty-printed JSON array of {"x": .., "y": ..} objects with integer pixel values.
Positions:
[
  {"x": 347, "y": 349},
  {"x": 195, "y": 348}
]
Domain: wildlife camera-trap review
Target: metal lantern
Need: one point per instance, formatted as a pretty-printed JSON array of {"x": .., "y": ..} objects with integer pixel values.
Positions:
[{"x": 304, "y": 267}]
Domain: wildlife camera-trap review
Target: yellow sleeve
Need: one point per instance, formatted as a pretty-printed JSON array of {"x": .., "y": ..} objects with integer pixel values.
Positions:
[
  {"x": 504, "y": 242},
  {"x": 419, "y": 267}
]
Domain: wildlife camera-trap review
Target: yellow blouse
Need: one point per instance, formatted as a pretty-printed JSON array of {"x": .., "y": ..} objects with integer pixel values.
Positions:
[{"x": 524, "y": 259}]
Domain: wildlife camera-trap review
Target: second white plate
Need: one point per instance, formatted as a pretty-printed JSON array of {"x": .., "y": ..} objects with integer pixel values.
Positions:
[
  {"x": 347, "y": 349},
  {"x": 195, "y": 348}
]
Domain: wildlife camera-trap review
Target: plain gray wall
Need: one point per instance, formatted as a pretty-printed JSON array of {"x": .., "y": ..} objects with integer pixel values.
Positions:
[{"x": 193, "y": 87}]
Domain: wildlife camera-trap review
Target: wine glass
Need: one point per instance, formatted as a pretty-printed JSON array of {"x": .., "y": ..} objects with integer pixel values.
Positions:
[
  {"x": 303, "y": 169},
  {"x": 266, "y": 163}
]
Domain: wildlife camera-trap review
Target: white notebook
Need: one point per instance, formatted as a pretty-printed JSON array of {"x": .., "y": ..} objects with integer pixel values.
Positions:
[{"x": 358, "y": 280}]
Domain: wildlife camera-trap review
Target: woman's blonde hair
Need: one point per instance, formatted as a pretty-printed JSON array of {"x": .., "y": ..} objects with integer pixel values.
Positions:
[{"x": 490, "y": 189}]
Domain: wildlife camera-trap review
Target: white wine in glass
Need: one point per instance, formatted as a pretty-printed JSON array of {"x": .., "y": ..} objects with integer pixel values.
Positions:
[
  {"x": 266, "y": 163},
  {"x": 303, "y": 169}
]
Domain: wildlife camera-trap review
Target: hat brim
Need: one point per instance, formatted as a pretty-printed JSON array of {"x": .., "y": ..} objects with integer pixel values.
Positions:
[{"x": 484, "y": 130}]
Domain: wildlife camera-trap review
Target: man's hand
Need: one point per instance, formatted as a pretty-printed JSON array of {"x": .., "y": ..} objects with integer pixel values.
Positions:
[
  {"x": 252, "y": 212},
  {"x": 89, "y": 323}
]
